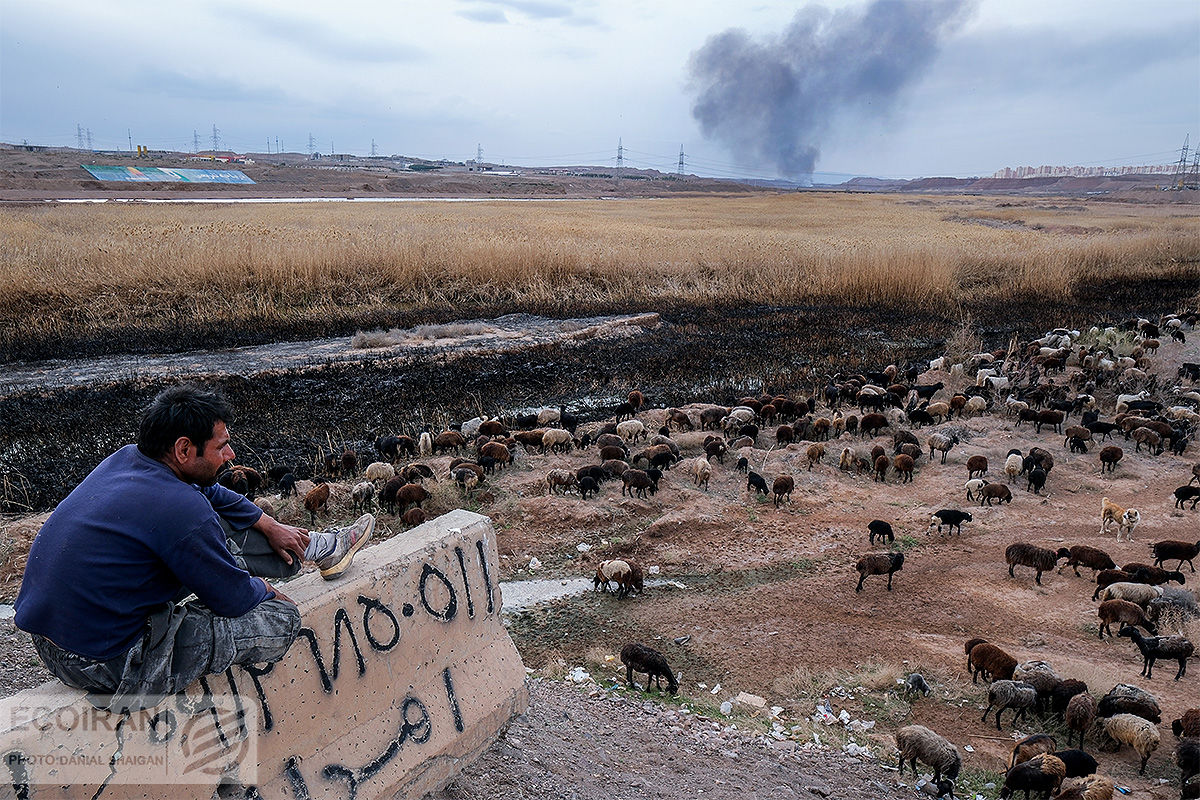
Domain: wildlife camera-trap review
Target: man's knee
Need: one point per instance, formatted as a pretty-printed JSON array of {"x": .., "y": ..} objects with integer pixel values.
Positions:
[{"x": 265, "y": 634}]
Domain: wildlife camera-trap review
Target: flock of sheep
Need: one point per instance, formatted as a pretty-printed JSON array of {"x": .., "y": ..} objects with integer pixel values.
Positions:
[{"x": 1043, "y": 382}]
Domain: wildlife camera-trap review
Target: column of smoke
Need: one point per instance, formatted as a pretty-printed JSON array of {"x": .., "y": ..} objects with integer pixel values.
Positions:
[{"x": 773, "y": 100}]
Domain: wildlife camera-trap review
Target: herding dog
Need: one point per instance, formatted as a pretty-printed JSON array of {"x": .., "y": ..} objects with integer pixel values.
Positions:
[{"x": 1125, "y": 519}]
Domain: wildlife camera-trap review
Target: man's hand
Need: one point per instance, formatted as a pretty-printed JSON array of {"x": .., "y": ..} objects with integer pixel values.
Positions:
[
  {"x": 285, "y": 539},
  {"x": 278, "y": 594}
]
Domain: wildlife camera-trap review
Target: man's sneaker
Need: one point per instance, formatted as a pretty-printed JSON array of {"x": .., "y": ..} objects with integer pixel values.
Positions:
[{"x": 349, "y": 540}]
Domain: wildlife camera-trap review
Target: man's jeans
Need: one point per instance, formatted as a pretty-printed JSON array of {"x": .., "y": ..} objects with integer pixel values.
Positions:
[{"x": 184, "y": 641}]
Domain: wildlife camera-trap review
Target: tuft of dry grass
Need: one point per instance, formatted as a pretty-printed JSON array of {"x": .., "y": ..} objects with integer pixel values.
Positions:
[{"x": 74, "y": 272}]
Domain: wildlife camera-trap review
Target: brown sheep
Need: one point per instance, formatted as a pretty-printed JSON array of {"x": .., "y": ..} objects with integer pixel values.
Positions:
[
  {"x": 782, "y": 488},
  {"x": 1109, "y": 456},
  {"x": 815, "y": 453},
  {"x": 1080, "y": 713},
  {"x": 498, "y": 452},
  {"x": 785, "y": 434},
  {"x": 995, "y": 491},
  {"x": 881, "y": 467},
  {"x": 977, "y": 464},
  {"x": 1124, "y": 612},
  {"x": 317, "y": 500},
  {"x": 413, "y": 517},
  {"x": 904, "y": 466},
  {"x": 987, "y": 659},
  {"x": 449, "y": 440},
  {"x": 870, "y": 424},
  {"x": 559, "y": 478},
  {"x": 636, "y": 481}
]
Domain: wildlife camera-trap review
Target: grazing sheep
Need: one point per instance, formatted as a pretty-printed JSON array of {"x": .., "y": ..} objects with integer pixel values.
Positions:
[
  {"x": 1061, "y": 694},
  {"x": 1042, "y": 677},
  {"x": 317, "y": 500},
  {"x": 449, "y": 440},
  {"x": 941, "y": 442},
  {"x": 1013, "y": 466},
  {"x": 1109, "y": 456},
  {"x": 701, "y": 471},
  {"x": 636, "y": 481},
  {"x": 1082, "y": 555},
  {"x": 756, "y": 482},
  {"x": 1089, "y": 787},
  {"x": 995, "y": 491},
  {"x": 626, "y": 575},
  {"x": 915, "y": 684},
  {"x": 498, "y": 452},
  {"x": 1029, "y": 555},
  {"x": 1140, "y": 593},
  {"x": 782, "y": 488},
  {"x": 1031, "y": 746},
  {"x": 1126, "y": 519},
  {"x": 1188, "y": 724},
  {"x": 1124, "y": 612},
  {"x": 904, "y": 466},
  {"x": 916, "y": 742},
  {"x": 380, "y": 472},
  {"x": 1107, "y": 577},
  {"x": 1037, "y": 479},
  {"x": 987, "y": 659},
  {"x": 1079, "y": 715},
  {"x": 882, "y": 464},
  {"x": 1048, "y": 416},
  {"x": 951, "y": 518},
  {"x": 878, "y": 564},
  {"x": 1004, "y": 694},
  {"x": 883, "y": 530},
  {"x": 846, "y": 459},
  {"x": 814, "y": 453},
  {"x": 1155, "y": 647},
  {"x": 1187, "y": 758},
  {"x": 631, "y": 430},
  {"x": 977, "y": 464},
  {"x": 362, "y": 495},
  {"x": 973, "y": 486},
  {"x": 1130, "y": 729},
  {"x": 1148, "y": 437},
  {"x": 870, "y": 424},
  {"x": 562, "y": 479},
  {"x": 639, "y": 658},
  {"x": 1144, "y": 573},
  {"x": 1043, "y": 773},
  {"x": 1125, "y": 698},
  {"x": 1185, "y": 493},
  {"x": 1174, "y": 549},
  {"x": 556, "y": 440},
  {"x": 413, "y": 517}
]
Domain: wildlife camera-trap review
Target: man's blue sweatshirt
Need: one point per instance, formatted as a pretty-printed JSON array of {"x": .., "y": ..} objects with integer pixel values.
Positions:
[{"x": 131, "y": 537}]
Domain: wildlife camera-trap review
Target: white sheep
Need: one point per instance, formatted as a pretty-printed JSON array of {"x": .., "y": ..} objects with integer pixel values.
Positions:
[
  {"x": 380, "y": 472},
  {"x": 470, "y": 428},
  {"x": 1139, "y": 593},
  {"x": 1123, "y": 400},
  {"x": 973, "y": 487},
  {"x": 548, "y": 416},
  {"x": 1013, "y": 466},
  {"x": 1130, "y": 729},
  {"x": 975, "y": 406},
  {"x": 701, "y": 470},
  {"x": 983, "y": 374},
  {"x": 363, "y": 494},
  {"x": 938, "y": 363},
  {"x": 425, "y": 444},
  {"x": 631, "y": 430},
  {"x": 557, "y": 440}
]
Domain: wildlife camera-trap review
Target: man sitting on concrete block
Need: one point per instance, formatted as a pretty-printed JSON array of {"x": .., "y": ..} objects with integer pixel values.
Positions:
[{"x": 108, "y": 573}]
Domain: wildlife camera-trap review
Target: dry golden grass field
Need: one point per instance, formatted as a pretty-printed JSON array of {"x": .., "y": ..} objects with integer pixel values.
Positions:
[{"x": 76, "y": 274}]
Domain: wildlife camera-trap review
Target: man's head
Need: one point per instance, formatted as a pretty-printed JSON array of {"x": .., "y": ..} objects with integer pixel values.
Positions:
[{"x": 185, "y": 428}]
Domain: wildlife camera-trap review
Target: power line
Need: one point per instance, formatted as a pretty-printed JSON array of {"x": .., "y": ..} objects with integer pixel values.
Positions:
[
  {"x": 216, "y": 138},
  {"x": 620, "y": 154}
]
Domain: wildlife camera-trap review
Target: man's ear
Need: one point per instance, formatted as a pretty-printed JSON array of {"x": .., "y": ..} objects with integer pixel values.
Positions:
[{"x": 183, "y": 449}]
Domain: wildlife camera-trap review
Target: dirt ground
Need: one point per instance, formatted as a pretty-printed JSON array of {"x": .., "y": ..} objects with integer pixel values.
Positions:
[{"x": 755, "y": 599}]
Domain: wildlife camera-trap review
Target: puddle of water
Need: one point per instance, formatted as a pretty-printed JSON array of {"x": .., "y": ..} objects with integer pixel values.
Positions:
[
  {"x": 519, "y": 595},
  {"x": 7, "y": 611}
]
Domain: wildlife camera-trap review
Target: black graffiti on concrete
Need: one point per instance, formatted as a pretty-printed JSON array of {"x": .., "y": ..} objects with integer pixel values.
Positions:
[
  {"x": 447, "y": 613},
  {"x": 291, "y": 771},
  {"x": 454, "y": 709},
  {"x": 373, "y": 604},
  {"x": 341, "y": 620},
  {"x": 462, "y": 566},
  {"x": 487, "y": 576},
  {"x": 256, "y": 673}
]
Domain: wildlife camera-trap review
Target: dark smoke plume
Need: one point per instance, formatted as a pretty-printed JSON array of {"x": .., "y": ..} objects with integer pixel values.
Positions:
[{"x": 772, "y": 101}]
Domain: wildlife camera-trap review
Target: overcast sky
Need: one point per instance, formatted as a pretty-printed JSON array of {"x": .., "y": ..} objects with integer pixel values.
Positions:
[{"x": 954, "y": 88}]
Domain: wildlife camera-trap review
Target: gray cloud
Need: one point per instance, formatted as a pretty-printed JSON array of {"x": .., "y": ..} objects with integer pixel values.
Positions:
[
  {"x": 179, "y": 86},
  {"x": 324, "y": 40},
  {"x": 542, "y": 9},
  {"x": 773, "y": 100}
]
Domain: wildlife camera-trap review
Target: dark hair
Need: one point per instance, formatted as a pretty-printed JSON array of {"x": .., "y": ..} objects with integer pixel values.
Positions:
[{"x": 186, "y": 410}]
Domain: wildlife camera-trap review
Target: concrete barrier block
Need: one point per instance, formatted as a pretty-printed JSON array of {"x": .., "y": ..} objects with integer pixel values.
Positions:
[{"x": 402, "y": 674}]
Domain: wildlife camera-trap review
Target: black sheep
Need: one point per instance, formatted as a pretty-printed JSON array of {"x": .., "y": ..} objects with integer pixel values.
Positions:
[
  {"x": 743, "y": 465},
  {"x": 639, "y": 658},
  {"x": 756, "y": 482},
  {"x": 881, "y": 529},
  {"x": 1077, "y": 762},
  {"x": 1037, "y": 479},
  {"x": 952, "y": 518}
]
